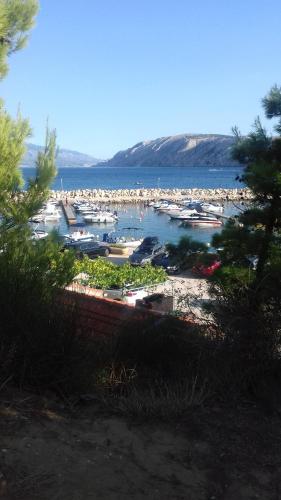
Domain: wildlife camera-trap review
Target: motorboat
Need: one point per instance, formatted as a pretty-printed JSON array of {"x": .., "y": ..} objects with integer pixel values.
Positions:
[
  {"x": 85, "y": 207},
  {"x": 173, "y": 208},
  {"x": 81, "y": 235},
  {"x": 101, "y": 217},
  {"x": 183, "y": 214},
  {"x": 212, "y": 207},
  {"x": 162, "y": 207},
  {"x": 160, "y": 203},
  {"x": 202, "y": 219},
  {"x": 39, "y": 234},
  {"x": 124, "y": 240},
  {"x": 48, "y": 214}
]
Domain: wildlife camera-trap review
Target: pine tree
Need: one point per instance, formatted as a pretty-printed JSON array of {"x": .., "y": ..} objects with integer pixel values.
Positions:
[
  {"x": 247, "y": 288},
  {"x": 16, "y": 19},
  {"x": 256, "y": 232}
]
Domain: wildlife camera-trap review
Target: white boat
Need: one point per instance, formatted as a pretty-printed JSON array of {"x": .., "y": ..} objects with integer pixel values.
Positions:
[
  {"x": 81, "y": 236},
  {"x": 122, "y": 239},
  {"x": 163, "y": 206},
  {"x": 38, "y": 234},
  {"x": 159, "y": 204},
  {"x": 173, "y": 209},
  {"x": 212, "y": 207},
  {"x": 101, "y": 217},
  {"x": 48, "y": 214},
  {"x": 202, "y": 219},
  {"x": 86, "y": 207},
  {"x": 183, "y": 214}
]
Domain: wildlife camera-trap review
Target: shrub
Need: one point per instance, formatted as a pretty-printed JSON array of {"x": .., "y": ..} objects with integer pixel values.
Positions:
[{"x": 104, "y": 274}]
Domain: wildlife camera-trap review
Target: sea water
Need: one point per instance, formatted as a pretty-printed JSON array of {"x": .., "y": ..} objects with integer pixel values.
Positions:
[
  {"x": 70, "y": 178},
  {"x": 149, "y": 222}
]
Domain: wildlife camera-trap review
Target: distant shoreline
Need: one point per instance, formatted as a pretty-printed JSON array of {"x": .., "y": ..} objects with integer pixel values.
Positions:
[{"x": 146, "y": 195}]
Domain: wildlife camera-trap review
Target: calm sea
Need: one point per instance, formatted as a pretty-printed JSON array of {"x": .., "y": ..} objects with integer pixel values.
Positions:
[
  {"x": 147, "y": 177},
  {"x": 150, "y": 222}
]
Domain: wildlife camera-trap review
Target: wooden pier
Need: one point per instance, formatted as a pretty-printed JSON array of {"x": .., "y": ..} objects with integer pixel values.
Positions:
[{"x": 68, "y": 212}]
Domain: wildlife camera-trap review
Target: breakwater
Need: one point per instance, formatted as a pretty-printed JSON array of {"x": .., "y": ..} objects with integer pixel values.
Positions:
[{"x": 146, "y": 195}]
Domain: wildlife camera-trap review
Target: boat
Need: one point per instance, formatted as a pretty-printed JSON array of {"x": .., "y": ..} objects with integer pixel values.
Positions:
[
  {"x": 202, "y": 219},
  {"x": 183, "y": 214},
  {"x": 39, "y": 234},
  {"x": 162, "y": 207},
  {"x": 101, "y": 217},
  {"x": 212, "y": 207},
  {"x": 81, "y": 235},
  {"x": 159, "y": 203},
  {"x": 85, "y": 207},
  {"x": 173, "y": 209},
  {"x": 124, "y": 240},
  {"x": 48, "y": 214}
]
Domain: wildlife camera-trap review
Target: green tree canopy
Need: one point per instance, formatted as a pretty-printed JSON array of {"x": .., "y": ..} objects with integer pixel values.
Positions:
[
  {"x": 247, "y": 288},
  {"x": 257, "y": 230},
  {"x": 16, "y": 20}
]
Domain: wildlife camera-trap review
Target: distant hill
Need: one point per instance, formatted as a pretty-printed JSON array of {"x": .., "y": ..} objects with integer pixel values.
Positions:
[
  {"x": 65, "y": 158},
  {"x": 177, "y": 151}
]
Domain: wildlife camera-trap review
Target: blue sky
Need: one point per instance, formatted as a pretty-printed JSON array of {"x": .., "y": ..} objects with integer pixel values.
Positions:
[{"x": 110, "y": 73}]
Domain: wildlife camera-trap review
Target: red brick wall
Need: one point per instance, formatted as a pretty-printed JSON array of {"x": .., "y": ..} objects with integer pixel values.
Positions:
[{"x": 99, "y": 316}]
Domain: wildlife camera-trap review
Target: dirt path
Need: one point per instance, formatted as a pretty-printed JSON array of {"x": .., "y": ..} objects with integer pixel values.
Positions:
[{"x": 211, "y": 455}]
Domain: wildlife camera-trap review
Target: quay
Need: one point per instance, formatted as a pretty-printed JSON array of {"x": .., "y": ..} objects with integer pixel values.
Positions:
[{"x": 68, "y": 212}]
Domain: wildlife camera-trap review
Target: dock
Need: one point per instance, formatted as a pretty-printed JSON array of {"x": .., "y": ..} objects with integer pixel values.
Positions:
[{"x": 68, "y": 212}]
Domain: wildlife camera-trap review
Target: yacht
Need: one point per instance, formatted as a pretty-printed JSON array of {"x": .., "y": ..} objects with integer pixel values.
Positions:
[
  {"x": 183, "y": 214},
  {"x": 212, "y": 207},
  {"x": 48, "y": 214},
  {"x": 202, "y": 219},
  {"x": 99, "y": 217}
]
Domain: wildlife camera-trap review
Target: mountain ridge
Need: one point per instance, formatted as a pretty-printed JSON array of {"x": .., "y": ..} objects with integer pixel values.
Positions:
[
  {"x": 181, "y": 150},
  {"x": 65, "y": 158}
]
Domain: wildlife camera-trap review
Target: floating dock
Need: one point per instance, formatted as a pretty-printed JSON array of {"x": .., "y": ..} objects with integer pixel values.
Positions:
[{"x": 68, "y": 212}]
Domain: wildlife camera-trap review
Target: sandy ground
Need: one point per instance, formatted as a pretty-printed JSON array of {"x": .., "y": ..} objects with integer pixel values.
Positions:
[{"x": 213, "y": 454}]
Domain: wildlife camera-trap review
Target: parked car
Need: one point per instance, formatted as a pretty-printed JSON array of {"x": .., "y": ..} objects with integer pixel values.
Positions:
[
  {"x": 204, "y": 269},
  {"x": 145, "y": 253},
  {"x": 164, "y": 260},
  {"x": 90, "y": 248}
]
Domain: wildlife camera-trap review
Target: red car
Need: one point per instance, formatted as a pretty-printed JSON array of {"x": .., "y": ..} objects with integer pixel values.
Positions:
[{"x": 206, "y": 269}]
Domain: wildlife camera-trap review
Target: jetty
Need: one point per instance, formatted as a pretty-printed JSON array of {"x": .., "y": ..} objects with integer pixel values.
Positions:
[{"x": 68, "y": 212}]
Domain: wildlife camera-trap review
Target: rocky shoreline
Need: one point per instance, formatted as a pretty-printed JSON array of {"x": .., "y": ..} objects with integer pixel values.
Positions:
[{"x": 146, "y": 195}]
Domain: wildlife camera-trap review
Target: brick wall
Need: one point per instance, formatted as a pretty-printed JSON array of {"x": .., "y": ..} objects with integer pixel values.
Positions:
[{"x": 98, "y": 316}]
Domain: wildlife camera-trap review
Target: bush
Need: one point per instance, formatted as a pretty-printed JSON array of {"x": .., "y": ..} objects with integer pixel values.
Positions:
[
  {"x": 35, "y": 334},
  {"x": 104, "y": 274}
]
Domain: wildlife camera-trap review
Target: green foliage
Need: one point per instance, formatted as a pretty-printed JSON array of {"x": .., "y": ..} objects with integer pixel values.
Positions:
[
  {"x": 35, "y": 336},
  {"x": 247, "y": 305},
  {"x": 16, "y": 19},
  {"x": 262, "y": 221},
  {"x": 16, "y": 206},
  {"x": 104, "y": 274},
  {"x": 272, "y": 103}
]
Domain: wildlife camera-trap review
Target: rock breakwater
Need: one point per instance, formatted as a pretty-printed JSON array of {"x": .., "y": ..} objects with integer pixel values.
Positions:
[{"x": 146, "y": 195}]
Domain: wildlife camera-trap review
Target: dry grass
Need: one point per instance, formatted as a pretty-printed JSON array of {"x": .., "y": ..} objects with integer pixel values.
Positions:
[{"x": 162, "y": 400}]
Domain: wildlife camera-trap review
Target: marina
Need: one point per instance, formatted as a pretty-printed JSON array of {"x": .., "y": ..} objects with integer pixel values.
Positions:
[{"x": 145, "y": 220}]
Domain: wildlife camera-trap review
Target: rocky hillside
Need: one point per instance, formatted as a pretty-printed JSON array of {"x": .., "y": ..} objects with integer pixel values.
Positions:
[
  {"x": 186, "y": 150},
  {"x": 66, "y": 157}
]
